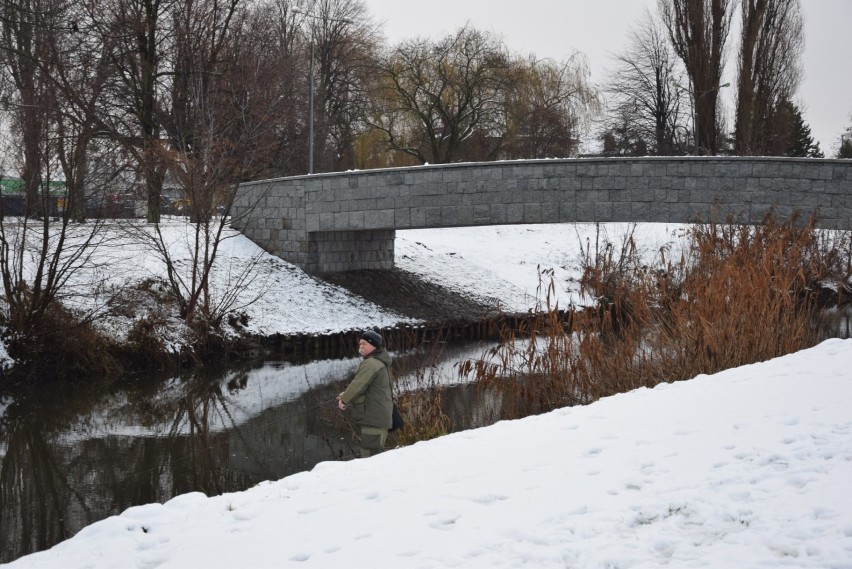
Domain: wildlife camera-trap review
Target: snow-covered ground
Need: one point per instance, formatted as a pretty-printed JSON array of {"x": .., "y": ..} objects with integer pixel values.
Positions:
[
  {"x": 496, "y": 262},
  {"x": 746, "y": 468},
  {"x": 499, "y": 263},
  {"x": 505, "y": 262}
]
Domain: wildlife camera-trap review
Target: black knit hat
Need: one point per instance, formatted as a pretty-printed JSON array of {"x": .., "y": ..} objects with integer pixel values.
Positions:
[{"x": 372, "y": 338}]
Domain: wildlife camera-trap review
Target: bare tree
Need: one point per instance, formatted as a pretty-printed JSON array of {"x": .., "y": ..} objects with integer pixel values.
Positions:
[
  {"x": 221, "y": 121},
  {"x": 274, "y": 52},
  {"x": 769, "y": 69},
  {"x": 27, "y": 27},
  {"x": 548, "y": 105},
  {"x": 341, "y": 46},
  {"x": 40, "y": 257},
  {"x": 434, "y": 96},
  {"x": 200, "y": 30},
  {"x": 139, "y": 35},
  {"x": 698, "y": 30},
  {"x": 644, "y": 98},
  {"x": 79, "y": 80}
]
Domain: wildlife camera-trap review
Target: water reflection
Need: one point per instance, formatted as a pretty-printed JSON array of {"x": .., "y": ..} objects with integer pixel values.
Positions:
[{"x": 71, "y": 457}]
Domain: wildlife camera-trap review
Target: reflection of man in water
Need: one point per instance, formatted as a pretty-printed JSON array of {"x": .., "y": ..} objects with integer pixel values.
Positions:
[{"x": 369, "y": 394}]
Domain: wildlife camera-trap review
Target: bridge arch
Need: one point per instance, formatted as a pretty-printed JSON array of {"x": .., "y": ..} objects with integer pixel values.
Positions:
[{"x": 346, "y": 221}]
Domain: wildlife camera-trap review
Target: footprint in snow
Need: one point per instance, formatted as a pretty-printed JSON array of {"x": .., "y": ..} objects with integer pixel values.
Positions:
[
  {"x": 444, "y": 521},
  {"x": 489, "y": 499},
  {"x": 799, "y": 482}
]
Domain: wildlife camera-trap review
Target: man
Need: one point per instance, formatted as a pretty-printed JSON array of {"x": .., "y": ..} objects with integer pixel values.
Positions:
[{"x": 369, "y": 394}]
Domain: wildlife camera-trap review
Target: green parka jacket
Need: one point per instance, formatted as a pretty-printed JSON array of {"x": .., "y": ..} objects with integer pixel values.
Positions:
[{"x": 369, "y": 394}]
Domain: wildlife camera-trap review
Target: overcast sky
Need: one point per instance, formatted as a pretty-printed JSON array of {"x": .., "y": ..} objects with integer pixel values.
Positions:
[{"x": 556, "y": 28}]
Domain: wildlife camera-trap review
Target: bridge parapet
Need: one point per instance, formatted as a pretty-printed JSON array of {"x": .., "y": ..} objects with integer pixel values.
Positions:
[{"x": 344, "y": 221}]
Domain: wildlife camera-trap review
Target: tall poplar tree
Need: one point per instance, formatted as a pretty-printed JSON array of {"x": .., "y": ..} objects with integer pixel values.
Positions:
[
  {"x": 769, "y": 69},
  {"x": 699, "y": 30}
]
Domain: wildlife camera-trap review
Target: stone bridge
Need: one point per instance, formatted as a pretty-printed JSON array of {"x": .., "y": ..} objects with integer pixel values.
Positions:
[{"x": 346, "y": 221}]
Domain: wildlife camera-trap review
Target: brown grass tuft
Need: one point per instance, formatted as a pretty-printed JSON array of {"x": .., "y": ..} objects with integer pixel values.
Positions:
[{"x": 739, "y": 295}]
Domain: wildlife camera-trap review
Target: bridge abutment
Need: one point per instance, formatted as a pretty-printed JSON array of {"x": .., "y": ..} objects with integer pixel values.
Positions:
[{"x": 336, "y": 251}]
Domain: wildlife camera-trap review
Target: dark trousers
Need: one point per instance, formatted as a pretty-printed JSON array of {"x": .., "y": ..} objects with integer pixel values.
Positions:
[{"x": 372, "y": 441}]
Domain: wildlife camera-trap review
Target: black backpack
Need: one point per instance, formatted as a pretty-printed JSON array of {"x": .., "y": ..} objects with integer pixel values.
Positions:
[{"x": 396, "y": 417}]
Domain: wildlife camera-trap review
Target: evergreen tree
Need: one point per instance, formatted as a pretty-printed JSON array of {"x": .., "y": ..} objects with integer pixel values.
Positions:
[
  {"x": 845, "y": 148},
  {"x": 801, "y": 142},
  {"x": 621, "y": 141}
]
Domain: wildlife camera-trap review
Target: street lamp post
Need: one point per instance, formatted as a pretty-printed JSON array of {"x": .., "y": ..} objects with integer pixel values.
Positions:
[
  {"x": 311, "y": 82},
  {"x": 311, "y": 107}
]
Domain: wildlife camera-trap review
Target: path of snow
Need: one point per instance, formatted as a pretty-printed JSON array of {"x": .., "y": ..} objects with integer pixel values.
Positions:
[{"x": 746, "y": 468}]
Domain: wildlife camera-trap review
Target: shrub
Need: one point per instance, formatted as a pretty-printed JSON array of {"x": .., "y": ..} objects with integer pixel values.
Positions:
[{"x": 739, "y": 294}]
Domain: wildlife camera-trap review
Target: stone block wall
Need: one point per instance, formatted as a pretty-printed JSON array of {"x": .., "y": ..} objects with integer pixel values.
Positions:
[
  {"x": 334, "y": 251},
  {"x": 272, "y": 214},
  {"x": 324, "y": 222}
]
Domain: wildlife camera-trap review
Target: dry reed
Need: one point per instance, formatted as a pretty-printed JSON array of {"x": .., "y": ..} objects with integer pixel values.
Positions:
[
  {"x": 421, "y": 404},
  {"x": 739, "y": 294}
]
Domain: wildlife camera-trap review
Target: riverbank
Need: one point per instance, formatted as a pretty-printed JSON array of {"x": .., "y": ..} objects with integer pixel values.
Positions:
[
  {"x": 749, "y": 464},
  {"x": 462, "y": 275}
]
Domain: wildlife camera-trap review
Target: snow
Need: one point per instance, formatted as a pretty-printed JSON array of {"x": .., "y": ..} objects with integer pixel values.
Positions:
[
  {"x": 512, "y": 264},
  {"x": 5, "y": 359},
  {"x": 749, "y": 467},
  {"x": 509, "y": 265},
  {"x": 502, "y": 263},
  {"x": 277, "y": 297}
]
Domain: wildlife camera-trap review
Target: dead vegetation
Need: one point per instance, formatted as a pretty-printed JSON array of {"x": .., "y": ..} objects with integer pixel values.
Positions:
[{"x": 736, "y": 295}]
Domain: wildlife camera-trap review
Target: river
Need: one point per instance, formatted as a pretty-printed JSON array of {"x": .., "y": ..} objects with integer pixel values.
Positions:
[{"x": 74, "y": 455}]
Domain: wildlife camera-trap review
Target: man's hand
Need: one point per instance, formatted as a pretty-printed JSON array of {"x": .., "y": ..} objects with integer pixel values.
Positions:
[{"x": 340, "y": 404}]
